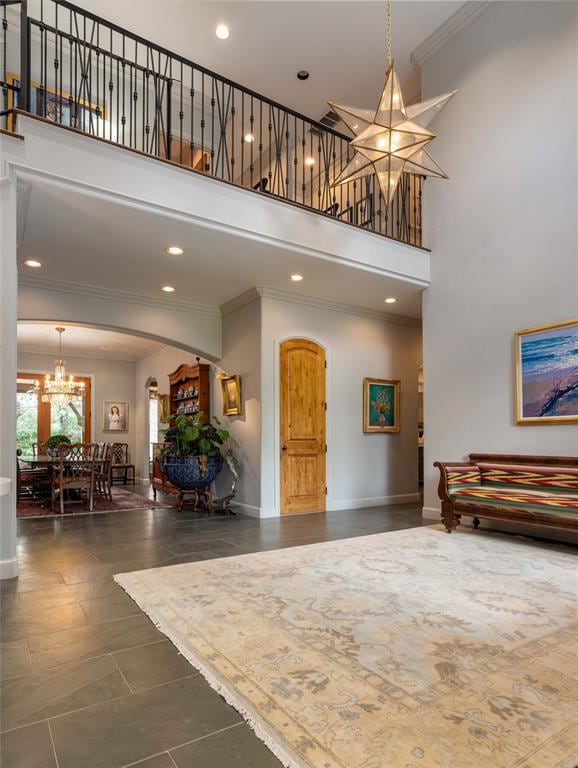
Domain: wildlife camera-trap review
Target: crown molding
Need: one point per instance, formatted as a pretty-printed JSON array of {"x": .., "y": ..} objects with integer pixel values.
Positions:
[
  {"x": 79, "y": 289},
  {"x": 458, "y": 21},
  {"x": 314, "y": 301},
  {"x": 240, "y": 301},
  {"x": 94, "y": 355}
]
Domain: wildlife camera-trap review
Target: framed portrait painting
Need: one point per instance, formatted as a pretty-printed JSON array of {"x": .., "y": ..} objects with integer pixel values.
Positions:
[
  {"x": 115, "y": 416},
  {"x": 231, "y": 387},
  {"x": 381, "y": 405},
  {"x": 547, "y": 374}
]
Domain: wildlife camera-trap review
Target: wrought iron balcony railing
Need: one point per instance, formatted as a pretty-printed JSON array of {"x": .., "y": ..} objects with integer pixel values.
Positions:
[{"x": 66, "y": 65}]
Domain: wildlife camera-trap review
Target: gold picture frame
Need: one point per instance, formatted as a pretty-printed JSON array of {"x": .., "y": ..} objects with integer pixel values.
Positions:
[
  {"x": 164, "y": 408},
  {"x": 381, "y": 405},
  {"x": 546, "y": 378},
  {"x": 231, "y": 389},
  {"x": 60, "y": 108}
]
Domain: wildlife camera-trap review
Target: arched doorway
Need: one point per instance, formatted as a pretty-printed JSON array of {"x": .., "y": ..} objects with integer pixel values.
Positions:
[{"x": 302, "y": 426}]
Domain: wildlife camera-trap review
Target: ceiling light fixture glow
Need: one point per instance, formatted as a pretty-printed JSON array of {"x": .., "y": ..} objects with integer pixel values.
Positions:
[
  {"x": 390, "y": 300},
  {"x": 222, "y": 31},
  {"x": 174, "y": 250},
  {"x": 249, "y": 138},
  {"x": 168, "y": 289},
  {"x": 32, "y": 263},
  {"x": 296, "y": 278}
]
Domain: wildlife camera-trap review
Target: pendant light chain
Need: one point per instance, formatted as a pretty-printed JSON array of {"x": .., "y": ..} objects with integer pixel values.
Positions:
[{"x": 388, "y": 37}]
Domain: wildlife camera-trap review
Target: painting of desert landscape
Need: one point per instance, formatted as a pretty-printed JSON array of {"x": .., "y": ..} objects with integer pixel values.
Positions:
[{"x": 547, "y": 374}]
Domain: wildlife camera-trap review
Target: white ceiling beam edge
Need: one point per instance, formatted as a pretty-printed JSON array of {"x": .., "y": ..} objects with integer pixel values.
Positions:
[{"x": 313, "y": 301}]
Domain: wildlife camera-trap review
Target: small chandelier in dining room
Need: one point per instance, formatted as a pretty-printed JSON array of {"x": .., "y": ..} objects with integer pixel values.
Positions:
[
  {"x": 60, "y": 391},
  {"x": 391, "y": 139}
]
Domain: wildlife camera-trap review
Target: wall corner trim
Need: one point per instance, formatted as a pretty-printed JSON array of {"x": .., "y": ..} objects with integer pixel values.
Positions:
[
  {"x": 458, "y": 21},
  {"x": 239, "y": 301}
]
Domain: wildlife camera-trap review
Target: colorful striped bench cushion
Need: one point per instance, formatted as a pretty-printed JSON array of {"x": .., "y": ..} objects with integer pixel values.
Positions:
[
  {"x": 462, "y": 477},
  {"x": 557, "y": 479},
  {"x": 544, "y": 502}
]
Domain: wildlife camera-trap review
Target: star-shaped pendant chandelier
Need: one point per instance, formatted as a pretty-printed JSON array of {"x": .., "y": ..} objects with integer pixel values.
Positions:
[{"x": 390, "y": 140}]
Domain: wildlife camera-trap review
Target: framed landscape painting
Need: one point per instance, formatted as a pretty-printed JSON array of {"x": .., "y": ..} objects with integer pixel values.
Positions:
[
  {"x": 547, "y": 374},
  {"x": 232, "y": 404},
  {"x": 381, "y": 405}
]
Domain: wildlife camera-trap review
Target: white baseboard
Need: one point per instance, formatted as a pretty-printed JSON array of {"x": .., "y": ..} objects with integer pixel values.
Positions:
[
  {"x": 373, "y": 501},
  {"x": 246, "y": 509},
  {"x": 431, "y": 513},
  {"x": 9, "y": 568}
]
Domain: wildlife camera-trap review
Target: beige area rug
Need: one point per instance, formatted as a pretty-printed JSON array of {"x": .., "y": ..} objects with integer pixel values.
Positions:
[{"x": 411, "y": 649}]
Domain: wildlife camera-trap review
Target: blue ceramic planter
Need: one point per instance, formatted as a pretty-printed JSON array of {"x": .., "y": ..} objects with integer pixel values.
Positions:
[{"x": 192, "y": 472}]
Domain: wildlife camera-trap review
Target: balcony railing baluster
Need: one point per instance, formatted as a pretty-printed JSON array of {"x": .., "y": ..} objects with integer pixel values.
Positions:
[{"x": 86, "y": 73}]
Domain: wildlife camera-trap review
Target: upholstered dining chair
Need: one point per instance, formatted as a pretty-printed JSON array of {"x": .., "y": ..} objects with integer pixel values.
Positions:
[
  {"x": 120, "y": 461},
  {"x": 74, "y": 471},
  {"x": 103, "y": 471}
]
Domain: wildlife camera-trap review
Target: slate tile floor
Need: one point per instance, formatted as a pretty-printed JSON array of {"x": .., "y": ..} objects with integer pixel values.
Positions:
[{"x": 87, "y": 681}]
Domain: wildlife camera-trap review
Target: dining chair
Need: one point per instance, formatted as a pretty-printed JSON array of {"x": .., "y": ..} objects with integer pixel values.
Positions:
[
  {"x": 31, "y": 484},
  {"x": 74, "y": 471},
  {"x": 103, "y": 472},
  {"x": 39, "y": 449},
  {"x": 120, "y": 461}
]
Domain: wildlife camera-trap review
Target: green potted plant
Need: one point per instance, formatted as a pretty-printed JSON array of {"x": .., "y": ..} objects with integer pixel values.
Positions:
[
  {"x": 192, "y": 455},
  {"x": 53, "y": 443}
]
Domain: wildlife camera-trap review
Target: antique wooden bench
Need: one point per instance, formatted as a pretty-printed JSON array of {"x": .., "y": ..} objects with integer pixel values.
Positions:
[{"x": 533, "y": 490}]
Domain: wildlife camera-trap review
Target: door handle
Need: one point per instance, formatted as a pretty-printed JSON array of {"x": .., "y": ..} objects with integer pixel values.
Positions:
[{"x": 283, "y": 447}]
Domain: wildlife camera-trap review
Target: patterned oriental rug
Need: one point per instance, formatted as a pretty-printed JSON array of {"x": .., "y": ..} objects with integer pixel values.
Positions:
[
  {"x": 121, "y": 500},
  {"x": 412, "y": 649}
]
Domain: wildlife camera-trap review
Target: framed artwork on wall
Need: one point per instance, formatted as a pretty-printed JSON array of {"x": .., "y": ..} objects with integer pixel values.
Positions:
[
  {"x": 381, "y": 399},
  {"x": 115, "y": 416},
  {"x": 231, "y": 387},
  {"x": 547, "y": 374},
  {"x": 59, "y": 107},
  {"x": 164, "y": 408}
]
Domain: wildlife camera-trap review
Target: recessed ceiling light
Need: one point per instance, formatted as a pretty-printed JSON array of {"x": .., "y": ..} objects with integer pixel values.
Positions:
[
  {"x": 174, "y": 250},
  {"x": 296, "y": 278},
  {"x": 309, "y": 161},
  {"x": 222, "y": 31},
  {"x": 168, "y": 289},
  {"x": 249, "y": 138},
  {"x": 32, "y": 263},
  {"x": 303, "y": 74},
  {"x": 390, "y": 300}
]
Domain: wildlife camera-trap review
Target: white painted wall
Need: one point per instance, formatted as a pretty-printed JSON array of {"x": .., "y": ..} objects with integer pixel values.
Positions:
[
  {"x": 111, "y": 380},
  {"x": 362, "y": 469},
  {"x": 8, "y": 315},
  {"x": 504, "y": 233},
  {"x": 241, "y": 356}
]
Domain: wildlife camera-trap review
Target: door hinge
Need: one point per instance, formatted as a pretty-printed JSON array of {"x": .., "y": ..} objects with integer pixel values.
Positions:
[
  {"x": 325, "y": 404},
  {"x": 326, "y": 363},
  {"x": 326, "y": 490},
  {"x": 325, "y": 447}
]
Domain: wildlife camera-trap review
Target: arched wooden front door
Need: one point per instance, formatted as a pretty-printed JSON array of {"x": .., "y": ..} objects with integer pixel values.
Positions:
[{"x": 302, "y": 421}]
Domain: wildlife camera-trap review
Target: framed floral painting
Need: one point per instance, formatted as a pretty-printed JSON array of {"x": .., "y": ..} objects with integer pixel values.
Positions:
[
  {"x": 547, "y": 374},
  {"x": 381, "y": 405}
]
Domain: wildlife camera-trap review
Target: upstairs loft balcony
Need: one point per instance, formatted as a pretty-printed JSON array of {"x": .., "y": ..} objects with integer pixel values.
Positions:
[{"x": 63, "y": 64}]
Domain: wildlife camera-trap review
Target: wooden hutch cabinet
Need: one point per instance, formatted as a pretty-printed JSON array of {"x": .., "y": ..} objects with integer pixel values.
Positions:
[{"x": 190, "y": 390}]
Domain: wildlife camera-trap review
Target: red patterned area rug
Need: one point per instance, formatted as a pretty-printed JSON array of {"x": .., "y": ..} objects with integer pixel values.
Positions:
[{"x": 122, "y": 500}]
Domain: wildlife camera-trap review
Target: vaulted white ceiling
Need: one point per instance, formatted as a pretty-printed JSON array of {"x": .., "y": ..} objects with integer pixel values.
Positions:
[{"x": 341, "y": 44}]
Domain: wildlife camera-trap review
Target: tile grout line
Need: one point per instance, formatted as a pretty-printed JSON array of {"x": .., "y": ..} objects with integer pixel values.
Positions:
[
  {"x": 184, "y": 744},
  {"x": 52, "y": 742},
  {"x": 117, "y": 665}
]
